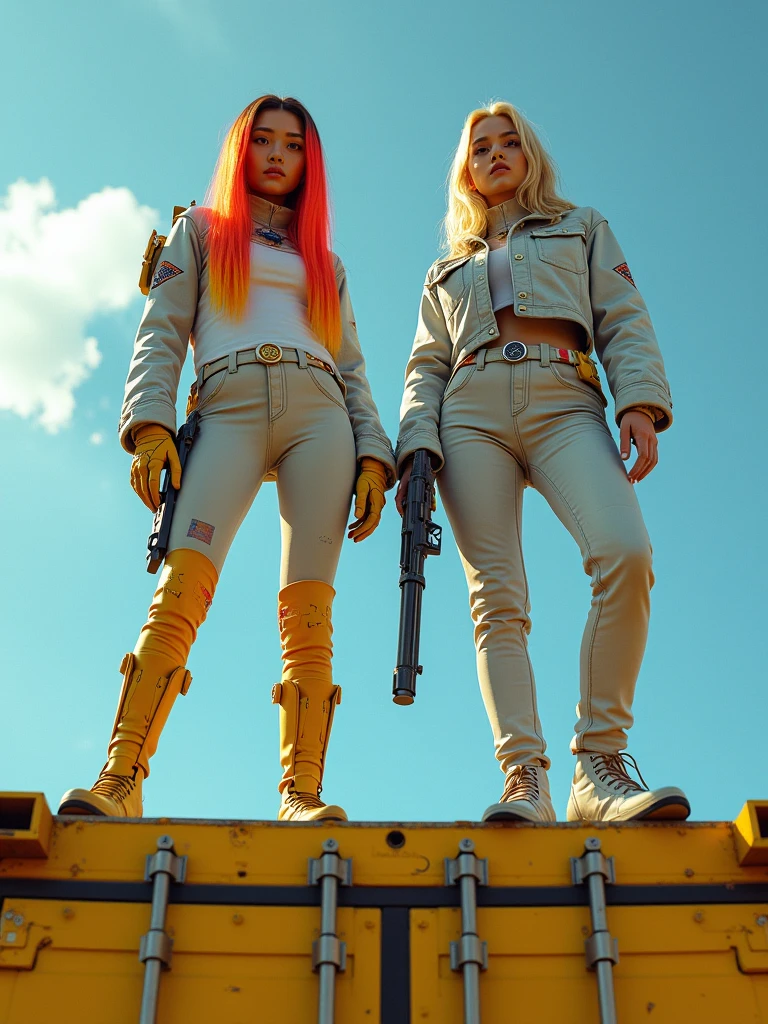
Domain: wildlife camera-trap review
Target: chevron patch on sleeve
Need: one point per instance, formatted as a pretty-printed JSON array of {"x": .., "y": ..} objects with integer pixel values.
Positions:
[
  {"x": 623, "y": 269},
  {"x": 164, "y": 273}
]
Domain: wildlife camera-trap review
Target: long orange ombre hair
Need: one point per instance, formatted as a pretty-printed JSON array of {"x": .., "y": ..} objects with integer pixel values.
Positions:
[{"x": 230, "y": 224}]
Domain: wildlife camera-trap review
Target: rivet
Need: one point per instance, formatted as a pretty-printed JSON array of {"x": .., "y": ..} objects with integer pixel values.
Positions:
[
  {"x": 519, "y": 256},
  {"x": 689, "y": 872},
  {"x": 237, "y": 919},
  {"x": 68, "y": 913},
  {"x": 491, "y": 330},
  {"x": 423, "y": 925},
  {"x": 522, "y": 295},
  {"x": 523, "y": 308},
  {"x": 762, "y": 919},
  {"x": 698, "y": 916},
  {"x": 18, "y": 920}
]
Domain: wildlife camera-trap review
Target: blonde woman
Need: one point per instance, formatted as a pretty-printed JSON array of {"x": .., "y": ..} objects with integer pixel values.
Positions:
[{"x": 502, "y": 389}]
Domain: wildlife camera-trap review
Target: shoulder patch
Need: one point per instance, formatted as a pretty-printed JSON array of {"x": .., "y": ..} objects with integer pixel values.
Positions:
[
  {"x": 164, "y": 273},
  {"x": 623, "y": 270}
]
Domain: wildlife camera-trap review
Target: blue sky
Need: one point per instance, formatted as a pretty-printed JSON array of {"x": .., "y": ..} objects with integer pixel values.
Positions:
[{"x": 654, "y": 113}]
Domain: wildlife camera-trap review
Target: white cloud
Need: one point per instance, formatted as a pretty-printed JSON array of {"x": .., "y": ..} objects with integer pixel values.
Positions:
[
  {"x": 58, "y": 269},
  {"x": 96, "y": 437}
]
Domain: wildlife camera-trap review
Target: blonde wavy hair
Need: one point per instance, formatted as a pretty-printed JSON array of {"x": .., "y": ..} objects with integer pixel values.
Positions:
[{"x": 466, "y": 220}]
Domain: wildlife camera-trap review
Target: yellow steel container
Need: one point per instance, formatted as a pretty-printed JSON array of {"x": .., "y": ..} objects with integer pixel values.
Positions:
[{"x": 687, "y": 905}]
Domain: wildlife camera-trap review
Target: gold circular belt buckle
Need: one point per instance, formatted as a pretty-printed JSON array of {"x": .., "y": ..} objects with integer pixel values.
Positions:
[{"x": 269, "y": 354}]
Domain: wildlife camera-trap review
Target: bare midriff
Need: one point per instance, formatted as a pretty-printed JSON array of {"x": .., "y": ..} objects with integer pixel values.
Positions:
[{"x": 560, "y": 333}]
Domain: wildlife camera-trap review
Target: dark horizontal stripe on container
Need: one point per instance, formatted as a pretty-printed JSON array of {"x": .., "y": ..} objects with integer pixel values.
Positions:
[{"x": 205, "y": 894}]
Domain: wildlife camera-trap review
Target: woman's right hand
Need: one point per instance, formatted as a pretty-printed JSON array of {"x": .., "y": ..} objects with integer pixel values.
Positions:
[
  {"x": 402, "y": 487},
  {"x": 154, "y": 447}
]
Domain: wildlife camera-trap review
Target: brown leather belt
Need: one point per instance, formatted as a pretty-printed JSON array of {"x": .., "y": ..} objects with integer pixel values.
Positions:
[{"x": 267, "y": 354}]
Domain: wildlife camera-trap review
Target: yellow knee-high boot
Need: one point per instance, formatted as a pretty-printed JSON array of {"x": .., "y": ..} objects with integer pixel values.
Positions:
[
  {"x": 153, "y": 677},
  {"x": 307, "y": 699}
]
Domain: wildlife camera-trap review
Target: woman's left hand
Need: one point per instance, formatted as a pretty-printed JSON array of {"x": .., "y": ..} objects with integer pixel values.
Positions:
[
  {"x": 369, "y": 498},
  {"x": 637, "y": 427}
]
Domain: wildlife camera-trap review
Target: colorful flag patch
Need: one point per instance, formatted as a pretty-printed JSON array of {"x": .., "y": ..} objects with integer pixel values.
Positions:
[
  {"x": 623, "y": 269},
  {"x": 164, "y": 273},
  {"x": 201, "y": 531}
]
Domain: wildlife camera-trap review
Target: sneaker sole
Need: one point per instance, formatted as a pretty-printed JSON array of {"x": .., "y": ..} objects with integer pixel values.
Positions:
[
  {"x": 502, "y": 814},
  {"x": 669, "y": 808}
]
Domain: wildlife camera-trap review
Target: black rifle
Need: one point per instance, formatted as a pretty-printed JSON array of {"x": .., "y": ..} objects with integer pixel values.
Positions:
[
  {"x": 420, "y": 537},
  {"x": 157, "y": 542}
]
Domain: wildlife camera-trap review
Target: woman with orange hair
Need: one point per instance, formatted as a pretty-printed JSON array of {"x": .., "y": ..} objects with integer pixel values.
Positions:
[
  {"x": 250, "y": 282},
  {"x": 502, "y": 389}
]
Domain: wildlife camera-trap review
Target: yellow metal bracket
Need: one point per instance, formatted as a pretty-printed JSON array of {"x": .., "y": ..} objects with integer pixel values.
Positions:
[
  {"x": 20, "y": 939},
  {"x": 751, "y": 833},
  {"x": 25, "y": 825},
  {"x": 751, "y": 946}
]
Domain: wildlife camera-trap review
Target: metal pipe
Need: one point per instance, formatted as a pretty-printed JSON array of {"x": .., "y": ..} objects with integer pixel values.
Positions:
[
  {"x": 327, "y": 971},
  {"x": 150, "y": 992},
  {"x": 156, "y": 946},
  {"x": 605, "y": 994},
  {"x": 600, "y": 949},
  {"x": 469, "y": 955},
  {"x": 328, "y": 953}
]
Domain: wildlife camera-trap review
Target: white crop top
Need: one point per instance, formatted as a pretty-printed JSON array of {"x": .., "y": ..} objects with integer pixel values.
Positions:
[
  {"x": 276, "y": 311},
  {"x": 500, "y": 279}
]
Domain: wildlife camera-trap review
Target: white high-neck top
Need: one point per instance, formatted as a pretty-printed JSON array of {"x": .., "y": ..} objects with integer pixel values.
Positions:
[
  {"x": 500, "y": 279},
  {"x": 276, "y": 310}
]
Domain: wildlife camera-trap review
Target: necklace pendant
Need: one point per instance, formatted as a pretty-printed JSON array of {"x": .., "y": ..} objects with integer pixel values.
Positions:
[{"x": 270, "y": 236}]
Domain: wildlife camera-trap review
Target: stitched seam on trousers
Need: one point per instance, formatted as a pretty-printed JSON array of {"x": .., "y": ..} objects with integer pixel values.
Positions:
[
  {"x": 280, "y": 369},
  {"x": 587, "y": 389},
  {"x": 448, "y": 393},
  {"x": 214, "y": 391},
  {"x": 591, "y": 561},
  {"x": 523, "y": 636},
  {"x": 322, "y": 390},
  {"x": 515, "y": 414}
]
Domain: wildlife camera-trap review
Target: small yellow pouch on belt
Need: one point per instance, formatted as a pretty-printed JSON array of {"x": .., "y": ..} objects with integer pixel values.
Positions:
[
  {"x": 193, "y": 397},
  {"x": 587, "y": 370},
  {"x": 152, "y": 252}
]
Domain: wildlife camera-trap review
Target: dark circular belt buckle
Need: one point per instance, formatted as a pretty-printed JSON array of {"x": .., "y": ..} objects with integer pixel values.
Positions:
[
  {"x": 514, "y": 351},
  {"x": 269, "y": 354}
]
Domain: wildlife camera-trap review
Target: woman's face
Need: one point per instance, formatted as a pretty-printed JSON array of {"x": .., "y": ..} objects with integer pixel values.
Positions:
[
  {"x": 275, "y": 161},
  {"x": 496, "y": 164}
]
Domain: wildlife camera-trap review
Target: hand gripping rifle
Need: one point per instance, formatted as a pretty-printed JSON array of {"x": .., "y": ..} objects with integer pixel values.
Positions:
[
  {"x": 157, "y": 542},
  {"x": 420, "y": 537}
]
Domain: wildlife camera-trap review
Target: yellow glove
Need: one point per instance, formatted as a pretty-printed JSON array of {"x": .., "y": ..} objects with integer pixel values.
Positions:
[
  {"x": 369, "y": 498},
  {"x": 154, "y": 447}
]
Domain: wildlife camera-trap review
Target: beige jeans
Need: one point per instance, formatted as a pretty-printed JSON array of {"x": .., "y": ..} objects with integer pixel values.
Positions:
[
  {"x": 506, "y": 426},
  {"x": 279, "y": 419}
]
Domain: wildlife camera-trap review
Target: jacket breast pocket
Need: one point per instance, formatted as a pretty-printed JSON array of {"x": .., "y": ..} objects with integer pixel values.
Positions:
[{"x": 566, "y": 250}]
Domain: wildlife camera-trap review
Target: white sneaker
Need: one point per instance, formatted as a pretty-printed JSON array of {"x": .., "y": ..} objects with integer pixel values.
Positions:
[
  {"x": 525, "y": 797},
  {"x": 603, "y": 791}
]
